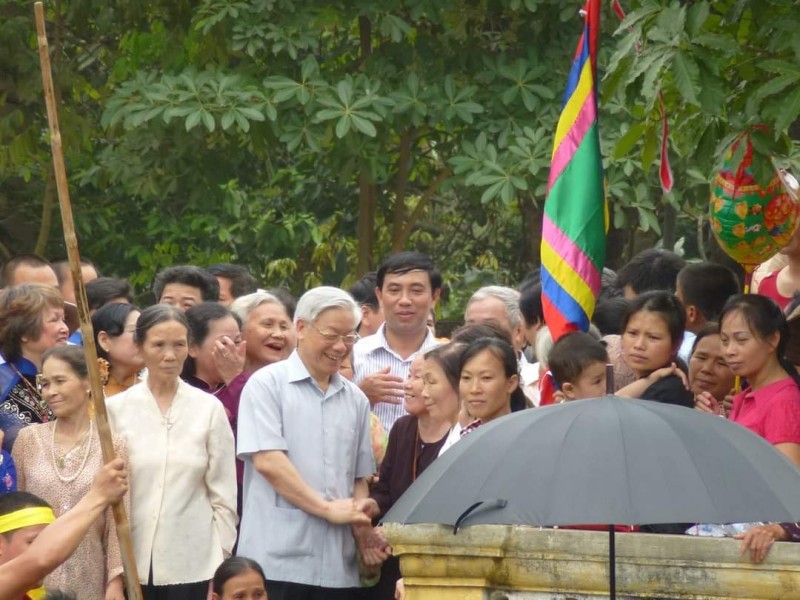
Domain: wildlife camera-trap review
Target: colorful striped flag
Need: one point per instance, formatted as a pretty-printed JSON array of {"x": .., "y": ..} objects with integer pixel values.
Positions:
[{"x": 575, "y": 212}]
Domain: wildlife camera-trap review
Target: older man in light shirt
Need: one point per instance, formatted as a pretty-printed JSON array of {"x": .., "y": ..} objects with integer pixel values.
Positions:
[
  {"x": 304, "y": 437},
  {"x": 501, "y": 305}
]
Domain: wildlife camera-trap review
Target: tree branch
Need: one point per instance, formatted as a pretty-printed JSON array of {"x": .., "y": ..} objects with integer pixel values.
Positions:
[
  {"x": 401, "y": 185},
  {"x": 424, "y": 199}
]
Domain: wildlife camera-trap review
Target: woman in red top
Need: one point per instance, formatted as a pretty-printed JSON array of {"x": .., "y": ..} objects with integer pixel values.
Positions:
[{"x": 754, "y": 336}]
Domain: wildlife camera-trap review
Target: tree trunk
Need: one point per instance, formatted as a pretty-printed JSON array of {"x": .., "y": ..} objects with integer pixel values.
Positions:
[
  {"x": 668, "y": 228},
  {"x": 531, "y": 233},
  {"x": 367, "y": 201},
  {"x": 367, "y": 194},
  {"x": 401, "y": 185}
]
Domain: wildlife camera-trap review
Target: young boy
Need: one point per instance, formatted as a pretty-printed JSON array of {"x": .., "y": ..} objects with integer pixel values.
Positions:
[{"x": 577, "y": 363}]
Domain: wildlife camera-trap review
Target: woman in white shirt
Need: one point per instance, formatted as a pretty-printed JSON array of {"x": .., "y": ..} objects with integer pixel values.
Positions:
[{"x": 181, "y": 461}]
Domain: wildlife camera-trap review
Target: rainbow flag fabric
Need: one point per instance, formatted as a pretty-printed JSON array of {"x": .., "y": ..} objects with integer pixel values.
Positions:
[{"x": 575, "y": 213}]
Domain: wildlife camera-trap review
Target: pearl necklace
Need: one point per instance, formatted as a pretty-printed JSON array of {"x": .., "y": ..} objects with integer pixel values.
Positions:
[{"x": 60, "y": 463}]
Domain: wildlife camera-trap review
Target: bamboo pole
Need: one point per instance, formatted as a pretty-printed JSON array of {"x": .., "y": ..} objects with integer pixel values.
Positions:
[{"x": 71, "y": 240}]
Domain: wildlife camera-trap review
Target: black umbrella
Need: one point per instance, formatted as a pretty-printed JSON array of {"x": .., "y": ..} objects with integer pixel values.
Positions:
[{"x": 605, "y": 461}]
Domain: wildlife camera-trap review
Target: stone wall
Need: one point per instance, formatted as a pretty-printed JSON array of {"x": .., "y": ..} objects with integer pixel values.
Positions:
[{"x": 494, "y": 562}]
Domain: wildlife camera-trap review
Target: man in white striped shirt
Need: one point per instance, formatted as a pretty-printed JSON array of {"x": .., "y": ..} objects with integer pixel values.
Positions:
[{"x": 408, "y": 287}]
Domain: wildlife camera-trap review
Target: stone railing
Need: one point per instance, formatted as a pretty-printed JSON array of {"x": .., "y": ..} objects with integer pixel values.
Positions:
[{"x": 495, "y": 562}]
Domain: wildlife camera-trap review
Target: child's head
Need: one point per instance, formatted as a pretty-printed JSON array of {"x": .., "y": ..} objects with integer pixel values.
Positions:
[
  {"x": 241, "y": 578},
  {"x": 578, "y": 365},
  {"x": 652, "y": 332}
]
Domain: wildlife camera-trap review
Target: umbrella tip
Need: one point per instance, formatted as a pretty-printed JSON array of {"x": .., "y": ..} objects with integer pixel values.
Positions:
[
  {"x": 610, "y": 379},
  {"x": 487, "y": 505}
]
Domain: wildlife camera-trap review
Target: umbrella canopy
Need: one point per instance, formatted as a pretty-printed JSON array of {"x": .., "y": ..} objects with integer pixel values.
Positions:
[{"x": 602, "y": 461}]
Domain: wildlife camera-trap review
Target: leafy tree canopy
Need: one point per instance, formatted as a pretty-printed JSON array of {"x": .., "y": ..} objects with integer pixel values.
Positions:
[{"x": 308, "y": 139}]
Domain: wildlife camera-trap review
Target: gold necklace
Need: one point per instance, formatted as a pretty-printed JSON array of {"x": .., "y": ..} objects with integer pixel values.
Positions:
[{"x": 61, "y": 461}]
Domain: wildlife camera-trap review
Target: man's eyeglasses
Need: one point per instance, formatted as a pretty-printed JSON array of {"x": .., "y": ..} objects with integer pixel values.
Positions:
[{"x": 348, "y": 339}]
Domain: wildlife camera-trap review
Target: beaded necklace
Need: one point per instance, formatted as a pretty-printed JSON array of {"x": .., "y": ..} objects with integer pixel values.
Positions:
[{"x": 60, "y": 462}]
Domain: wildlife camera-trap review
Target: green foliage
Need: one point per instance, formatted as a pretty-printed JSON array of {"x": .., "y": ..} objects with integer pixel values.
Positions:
[{"x": 257, "y": 132}]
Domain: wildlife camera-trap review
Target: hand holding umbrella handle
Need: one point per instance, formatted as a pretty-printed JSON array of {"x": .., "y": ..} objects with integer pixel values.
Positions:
[{"x": 487, "y": 504}]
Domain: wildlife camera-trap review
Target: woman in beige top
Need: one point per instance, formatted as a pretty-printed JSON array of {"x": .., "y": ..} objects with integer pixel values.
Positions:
[
  {"x": 182, "y": 466},
  {"x": 58, "y": 461}
]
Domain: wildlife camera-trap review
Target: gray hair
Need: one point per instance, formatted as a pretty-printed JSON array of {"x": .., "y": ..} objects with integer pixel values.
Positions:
[
  {"x": 319, "y": 299},
  {"x": 508, "y": 296},
  {"x": 244, "y": 305}
]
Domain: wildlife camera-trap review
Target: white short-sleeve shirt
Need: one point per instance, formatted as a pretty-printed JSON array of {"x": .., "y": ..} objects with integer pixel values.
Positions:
[{"x": 326, "y": 436}]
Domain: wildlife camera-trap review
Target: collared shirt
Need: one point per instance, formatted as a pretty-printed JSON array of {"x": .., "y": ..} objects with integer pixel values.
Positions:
[
  {"x": 372, "y": 354},
  {"x": 326, "y": 436},
  {"x": 183, "y": 482},
  {"x": 685, "y": 351},
  {"x": 773, "y": 412}
]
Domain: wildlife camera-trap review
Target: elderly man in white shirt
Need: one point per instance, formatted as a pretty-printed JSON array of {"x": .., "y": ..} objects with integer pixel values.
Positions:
[
  {"x": 501, "y": 305},
  {"x": 304, "y": 437}
]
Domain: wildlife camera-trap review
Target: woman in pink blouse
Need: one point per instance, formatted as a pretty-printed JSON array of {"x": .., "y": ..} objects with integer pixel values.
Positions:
[{"x": 754, "y": 336}]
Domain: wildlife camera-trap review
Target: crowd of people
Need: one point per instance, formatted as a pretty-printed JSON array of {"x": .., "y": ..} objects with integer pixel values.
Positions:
[{"x": 261, "y": 439}]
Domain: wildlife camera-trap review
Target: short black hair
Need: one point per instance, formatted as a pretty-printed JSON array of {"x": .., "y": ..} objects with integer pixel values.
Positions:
[
  {"x": 448, "y": 357},
  {"x": 62, "y": 267},
  {"x": 153, "y": 315},
  {"x": 230, "y": 568},
  {"x": 710, "y": 328},
  {"x": 187, "y": 275},
  {"x": 609, "y": 313},
  {"x": 200, "y": 317},
  {"x": 286, "y": 298},
  {"x": 22, "y": 260},
  {"x": 405, "y": 262},
  {"x": 572, "y": 354},
  {"x": 14, "y": 501},
  {"x": 103, "y": 290},
  {"x": 764, "y": 318},
  {"x": 505, "y": 353},
  {"x": 667, "y": 306},
  {"x": 707, "y": 286},
  {"x": 363, "y": 290},
  {"x": 651, "y": 269},
  {"x": 242, "y": 282},
  {"x": 469, "y": 332},
  {"x": 111, "y": 319},
  {"x": 71, "y": 355},
  {"x": 609, "y": 285},
  {"x": 530, "y": 304}
]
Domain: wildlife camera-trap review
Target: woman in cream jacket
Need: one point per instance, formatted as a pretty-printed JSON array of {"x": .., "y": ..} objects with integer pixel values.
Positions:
[{"x": 182, "y": 466}]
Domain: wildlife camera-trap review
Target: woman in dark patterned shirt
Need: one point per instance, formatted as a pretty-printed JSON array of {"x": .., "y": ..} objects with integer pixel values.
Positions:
[{"x": 31, "y": 322}]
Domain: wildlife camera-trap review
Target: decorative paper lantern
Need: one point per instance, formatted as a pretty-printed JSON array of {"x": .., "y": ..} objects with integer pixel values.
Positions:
[{"x": 750, "y": 223}]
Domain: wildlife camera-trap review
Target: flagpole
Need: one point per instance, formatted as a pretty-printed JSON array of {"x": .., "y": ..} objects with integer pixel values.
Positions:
[{"x": 71, "y": 241}]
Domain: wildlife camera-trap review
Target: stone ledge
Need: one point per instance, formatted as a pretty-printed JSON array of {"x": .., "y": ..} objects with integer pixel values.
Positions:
[{"x": 502, "y": 561}]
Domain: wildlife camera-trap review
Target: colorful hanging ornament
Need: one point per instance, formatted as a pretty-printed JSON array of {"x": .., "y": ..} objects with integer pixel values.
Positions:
[{"x": 751, "y": 223}]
